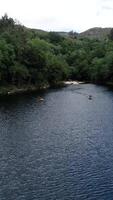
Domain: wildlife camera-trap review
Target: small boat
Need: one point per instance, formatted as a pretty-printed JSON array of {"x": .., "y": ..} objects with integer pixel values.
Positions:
[{"x": 90, "y": 97}]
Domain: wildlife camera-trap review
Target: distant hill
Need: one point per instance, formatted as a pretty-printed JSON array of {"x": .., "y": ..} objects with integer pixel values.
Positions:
[
  {"x": 42, "y": 33},
  {"x": 95, "y": 33},
  {"x": 68, "y": 34}
]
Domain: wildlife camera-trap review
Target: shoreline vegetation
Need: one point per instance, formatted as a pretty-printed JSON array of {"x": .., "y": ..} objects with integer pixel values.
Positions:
[
  {"x": 11, "y": 89},
  {"x": 33, "y": 60}
]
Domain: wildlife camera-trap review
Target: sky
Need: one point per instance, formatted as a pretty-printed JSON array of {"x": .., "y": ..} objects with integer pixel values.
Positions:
[{"x": 60, "y": 15}]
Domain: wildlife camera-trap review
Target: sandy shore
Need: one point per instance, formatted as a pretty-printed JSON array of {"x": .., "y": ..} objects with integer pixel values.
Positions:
[{"x": 72, "y": 82}]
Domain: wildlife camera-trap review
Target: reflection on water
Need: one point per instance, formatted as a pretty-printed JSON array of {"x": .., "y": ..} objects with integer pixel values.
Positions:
[{"x": 57, "y": 149}]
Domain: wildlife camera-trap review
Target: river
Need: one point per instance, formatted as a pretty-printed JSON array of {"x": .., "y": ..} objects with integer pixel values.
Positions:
[{"x": 57, "y": 149}]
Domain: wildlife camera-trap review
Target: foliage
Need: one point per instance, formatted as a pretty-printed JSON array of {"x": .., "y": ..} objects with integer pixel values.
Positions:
[{"x": 36, "y": 57}]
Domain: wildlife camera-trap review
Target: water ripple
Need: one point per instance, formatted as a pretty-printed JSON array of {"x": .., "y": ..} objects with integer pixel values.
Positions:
[{"x": 58, "y": 149}]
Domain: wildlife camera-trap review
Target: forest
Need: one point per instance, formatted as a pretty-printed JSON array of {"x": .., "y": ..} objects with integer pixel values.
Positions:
[{"x": 34, "y": 57}]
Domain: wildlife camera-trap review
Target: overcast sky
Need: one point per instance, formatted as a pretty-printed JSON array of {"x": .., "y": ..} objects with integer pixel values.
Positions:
[{"x": 60, "y": 15}]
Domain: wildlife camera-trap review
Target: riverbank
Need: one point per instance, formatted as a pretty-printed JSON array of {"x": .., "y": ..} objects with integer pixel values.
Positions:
[{"x": 12, "y": 89}]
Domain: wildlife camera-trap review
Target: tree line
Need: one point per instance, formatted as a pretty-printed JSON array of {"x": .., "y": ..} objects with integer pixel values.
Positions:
[{"x": 35, "y": 57}]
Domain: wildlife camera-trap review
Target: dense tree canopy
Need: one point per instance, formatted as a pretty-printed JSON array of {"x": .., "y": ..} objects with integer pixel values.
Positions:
[{"x": 36, "y": 57}]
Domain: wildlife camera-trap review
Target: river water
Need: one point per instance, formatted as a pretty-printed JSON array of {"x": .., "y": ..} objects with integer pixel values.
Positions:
[{"x": 57, "y": 149}]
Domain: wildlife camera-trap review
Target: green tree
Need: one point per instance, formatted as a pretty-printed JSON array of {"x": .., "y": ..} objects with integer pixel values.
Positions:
[
  {"x": 19, "y": 73},
  {"x": 57, "y": 69}
]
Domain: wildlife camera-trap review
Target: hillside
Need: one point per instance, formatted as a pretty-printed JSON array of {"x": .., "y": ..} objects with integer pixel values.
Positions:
[
  {"x": 93, "y": 33},
  {"x": 97, "y": 33}
]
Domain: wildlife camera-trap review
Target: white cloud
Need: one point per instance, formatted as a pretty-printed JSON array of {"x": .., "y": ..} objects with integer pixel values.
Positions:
[{"x": 60, "y": 14}]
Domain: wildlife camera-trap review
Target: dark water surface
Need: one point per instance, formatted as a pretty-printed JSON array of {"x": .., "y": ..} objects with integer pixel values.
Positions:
[{"x": 58, "y": 149}]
